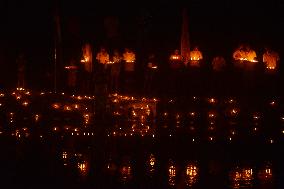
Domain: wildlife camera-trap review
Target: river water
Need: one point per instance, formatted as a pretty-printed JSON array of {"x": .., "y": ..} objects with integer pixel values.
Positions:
[{"x": 143, "y": 145}]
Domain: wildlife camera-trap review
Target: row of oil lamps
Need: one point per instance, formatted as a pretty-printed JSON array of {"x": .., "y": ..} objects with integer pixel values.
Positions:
[
  {"x": 24, "y": 133},
  {"x": 143, "y": 114},
  {"x": 115, "y": 98},
  {"x": 36, "y": 117},
  {"x": 21, "y": 92}
]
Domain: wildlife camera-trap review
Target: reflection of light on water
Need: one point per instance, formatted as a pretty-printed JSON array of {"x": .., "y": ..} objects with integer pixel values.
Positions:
[
  {"x": 82, "y": 166},
  {"x": 233, "y": 132},
  {"x": 126, "y": 173},
  {"x": 11, "y": 117},
  {"x": 86, "y": 118},
  {"x": 152, "y": 160},
  {"x": 151, "y": 164},
  {"x": 64, "y": 155},
  {"x": 178, "y": 118},
  {"x": 172, "y": 174},
  {"x": 233, "y": 112},
  {"x": 211, "y": 101},
  {"x": 265, "y": 173},
  {"x": 191, "y": 174},
  {"x": 36, "y": 118},
  {"x": 110, "y": 167},
  {"x": 241, "y": 177},
  {"x": 25, "y": 103},
  {"x": 211, "y": 115},
  {"x": 256, "y": 116}
]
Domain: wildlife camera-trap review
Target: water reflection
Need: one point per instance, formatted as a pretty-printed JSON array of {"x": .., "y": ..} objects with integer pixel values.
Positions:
[
  {"x": 82, "y": 164},
  {"x": 151, "y": 165},
  {"x": 179, "y": 172},
  {"x": 83, "y": 167},
  {"x": 265, "y": 174},
  {"x": 126, "y": 173},
  {"x": 192, "y": 173},
  {"x": 172, "y": 173},
  {"x": 110, "y": 167},
  {"x": 76, "y": 162},
  {"x": 241, "y": 177},
  {"x": 64, "y": 158},
  {"x": 126, "y": 170}
]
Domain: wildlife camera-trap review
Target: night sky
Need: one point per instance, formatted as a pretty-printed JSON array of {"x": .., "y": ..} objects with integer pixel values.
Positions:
[{"x": 216, "y": 27}]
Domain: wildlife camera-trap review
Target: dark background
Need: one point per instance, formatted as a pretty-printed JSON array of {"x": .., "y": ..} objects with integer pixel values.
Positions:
[{"x": 216, "y": 27}]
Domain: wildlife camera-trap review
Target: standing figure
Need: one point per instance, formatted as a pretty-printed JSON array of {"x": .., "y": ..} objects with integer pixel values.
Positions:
[
  {"x": 195, "y": 57},
  {"x": 239, "y": 63},
  {"x": 271, "y": 62},
  {"x": 115, "y": 71},
  {"x": 72, "y": 70},
  {"x": 251, "y": 58},
  {"x": 244, "y": 57},
  {"x": 239, "y": 56},
  {"x": 176, "y": 60},
  {"x": 239, "y": 53},
  {"x": 195, "y": 78},
  {"x": 151, "y": 68},
  {"x": 270, "y": 59},
  {"x": 218, "y": 63},
  {"x": 218, "y": 87},
  {"x": 251, "y": 80},
  {"x": 101, "y": 74},
  {"x": 175, "y": 74},
  {"x": 86, "y": 67},
  {"x": 103, "y": 57},
  {"x": 129, "y": 69}
]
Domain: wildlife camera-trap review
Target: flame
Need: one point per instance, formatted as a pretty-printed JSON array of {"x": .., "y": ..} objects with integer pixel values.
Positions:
[
  {"x": 25, "y": 103},
  {"x": 270, "y": 67},
  {"x": 56, "y": 106},
  {"x": 194, "y": 58},
  {"x": 87, "y": 57},
  {"x": 175, "y": 57},
  {"x": 67, "y": 108}
]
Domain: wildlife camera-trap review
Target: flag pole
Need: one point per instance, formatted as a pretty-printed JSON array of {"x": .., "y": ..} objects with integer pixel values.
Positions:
[
  {"x": 57, "y": 41},
  {"x": 55, "y": 68}
]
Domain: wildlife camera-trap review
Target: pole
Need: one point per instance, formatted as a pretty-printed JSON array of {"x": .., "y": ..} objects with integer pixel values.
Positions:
[
  {"x": 55, "y": 69},
  {"x": 57, "y": 42}
]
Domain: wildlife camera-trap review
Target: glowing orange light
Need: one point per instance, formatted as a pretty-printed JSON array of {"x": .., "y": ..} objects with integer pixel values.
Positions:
[
  {"x": 25, "y": 103},
  {"x": 56, "y": 106},
  {"x": 67, "y": 108}
]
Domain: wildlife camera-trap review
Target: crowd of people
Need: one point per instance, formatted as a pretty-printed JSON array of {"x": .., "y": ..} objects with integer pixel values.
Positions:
[{"x": 116, "y": 72}]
